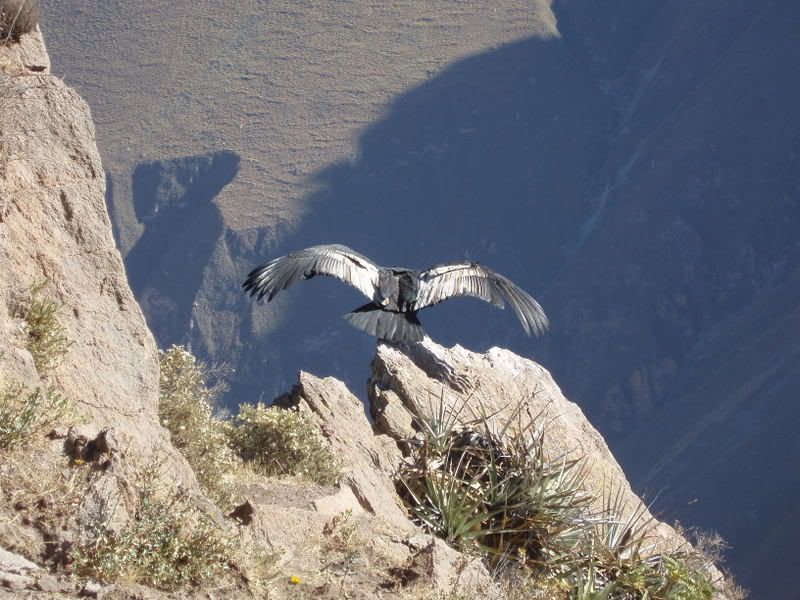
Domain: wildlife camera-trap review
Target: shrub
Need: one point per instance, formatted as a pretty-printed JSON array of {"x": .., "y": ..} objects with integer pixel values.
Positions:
[
  {"x": 25, "y": 413},
  {"x": 169, "y": 544},
  {"x": 283, "y": 442},
  {"x": 498, "y": 495},
  {"x": 47, "y": 339},
  {"x": 186, "y": 400},
  {"x": 505, "y": 501},
  {"x": 16, "y": 18}
]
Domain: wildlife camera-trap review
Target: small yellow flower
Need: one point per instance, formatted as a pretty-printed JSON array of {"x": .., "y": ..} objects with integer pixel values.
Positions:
[
  {"x": 294, "y": 580},
  {"x": 79, "y": 461}
]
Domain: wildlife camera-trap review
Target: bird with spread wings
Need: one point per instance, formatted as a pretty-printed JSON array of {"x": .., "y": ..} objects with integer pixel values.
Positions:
[{"x": 396, "y": 293}]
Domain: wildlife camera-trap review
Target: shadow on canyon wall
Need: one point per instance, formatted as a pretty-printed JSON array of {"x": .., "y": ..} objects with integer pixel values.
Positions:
[
  {"x": 646, "y": 212},
  {"x": 491, "y": 160},
  {"x": 174, "y": 201},
  {"x": 646, "y": 198}
]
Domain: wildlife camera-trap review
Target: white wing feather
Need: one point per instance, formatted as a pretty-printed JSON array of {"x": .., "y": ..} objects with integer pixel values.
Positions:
[
  {"x": 335, "y": 261},
  {"x": 472, "y": 279}
]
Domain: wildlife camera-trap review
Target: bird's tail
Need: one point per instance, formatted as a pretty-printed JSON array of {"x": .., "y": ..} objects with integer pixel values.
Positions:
[{"x": 385, "y": 324}]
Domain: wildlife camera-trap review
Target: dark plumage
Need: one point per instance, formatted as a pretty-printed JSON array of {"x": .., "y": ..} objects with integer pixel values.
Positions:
[{"x": 396, "y": 293}]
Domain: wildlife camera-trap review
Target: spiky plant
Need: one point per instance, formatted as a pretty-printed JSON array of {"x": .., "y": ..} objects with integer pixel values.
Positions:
[
  {"x": 587, "y": 587},
  {"x": 493, "y": 491},
  {"x": 491, "y": 497}
]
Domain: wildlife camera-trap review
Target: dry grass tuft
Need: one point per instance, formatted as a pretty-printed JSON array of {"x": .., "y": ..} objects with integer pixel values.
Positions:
[
  {"x": 17, "y": 17},
  {"x": 25, "y": 413},
  {"x": 40, "y": 494}
]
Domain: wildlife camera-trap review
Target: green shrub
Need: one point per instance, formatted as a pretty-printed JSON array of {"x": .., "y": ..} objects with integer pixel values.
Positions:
[
  {"x": 47, "y": 339},
  {"x": 280, "y": 442},
  {"x": 500, "y": 498},
  {"x": 25, "y": 413},
  {"x": 169, "y": 544},
  {"x": 16, "y": 18},
  {"x": 186, "y": 401},
  {"x": 498, "y": 495}
]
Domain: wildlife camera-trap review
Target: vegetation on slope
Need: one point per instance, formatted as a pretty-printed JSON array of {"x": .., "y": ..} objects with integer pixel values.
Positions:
[
  {"x": 16, "y": 18},
  {"x": 188, "y": 391},
  {"x": 494, "y": 494},
  {"x": 25, "y": 413},
  {"x": 279, "y": 442},
  {"x": 46, "y": 337},
  {"x": 269, "y": 441},
  {"x": 168, "y": 544},
  {"x": 497, "y": 495}
]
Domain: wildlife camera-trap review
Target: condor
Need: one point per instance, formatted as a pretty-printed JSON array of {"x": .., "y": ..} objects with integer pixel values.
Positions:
[{"x": 396, "y": 293}]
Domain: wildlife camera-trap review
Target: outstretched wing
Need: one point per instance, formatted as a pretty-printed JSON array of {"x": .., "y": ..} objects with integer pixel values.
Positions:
[
  {"x": 472, "y": 279},
  {"x": 333, "y": 261}
]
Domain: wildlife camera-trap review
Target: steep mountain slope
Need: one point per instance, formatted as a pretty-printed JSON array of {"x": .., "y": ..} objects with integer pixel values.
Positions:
[
  {"x": 634, "y": 162},
  {"x": 81, "y": 514},
  {"x": 54, "y": 231},
  {"x": 699, "y": 210},
  {"x": 731, "y": 429},
  {"x": 288, "y": 88}
]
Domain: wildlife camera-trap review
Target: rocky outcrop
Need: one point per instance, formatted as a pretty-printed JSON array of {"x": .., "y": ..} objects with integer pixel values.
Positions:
[
  {"x": 368, "y": 460},
  {"x": 383, "y": 550},
  {"x": 408, "y": 381},
  {"x": 54, "y": 229},
  {"x": 411, "y": 380}
]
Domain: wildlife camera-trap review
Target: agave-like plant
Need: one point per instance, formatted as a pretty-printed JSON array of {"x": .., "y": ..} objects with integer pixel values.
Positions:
[
  {"x": 588, "y": 588},
  {"x": 437, "y": 421},
  {"x": 494, "y": 493},
  {"x": 619, "y": 537},
  {"x": 490, "y": 489}
]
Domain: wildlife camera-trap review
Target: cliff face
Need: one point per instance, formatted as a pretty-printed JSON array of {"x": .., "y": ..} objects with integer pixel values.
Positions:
[
  {"x": 54, "y": 229},
  {"x": 632, "y": 161}
]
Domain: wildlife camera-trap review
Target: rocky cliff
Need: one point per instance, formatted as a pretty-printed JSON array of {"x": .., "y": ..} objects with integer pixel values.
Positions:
[
  {"x": 55, "y": 231},
  {"x": 55, "y": 237},
  {"x": 634, "y": 162}
]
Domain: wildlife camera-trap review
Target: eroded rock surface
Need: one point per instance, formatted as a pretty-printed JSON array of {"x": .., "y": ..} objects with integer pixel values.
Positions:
[
  {"x": 412, "y": 380},
  {"x": 369, "y": 460},
  {"x": 54, "y": 229}
]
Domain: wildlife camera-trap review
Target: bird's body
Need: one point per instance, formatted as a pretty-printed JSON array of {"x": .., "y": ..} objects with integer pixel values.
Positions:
[
  {"x": 396, "y": 293},
  {"x": 397, "y": 288}
]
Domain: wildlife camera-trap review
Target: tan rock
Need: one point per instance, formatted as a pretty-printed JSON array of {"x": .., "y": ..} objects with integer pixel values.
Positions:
[
  {"x": 28, "y": 53},
  {"x": 504, "y": 386},
  {"x": 341, "y": 501},
  {"x": 448, "y": 569},
  {"x": 368, "y": 460},
  {"x": 54, "y": 228},
  {"x": 16, "y": 572}
]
